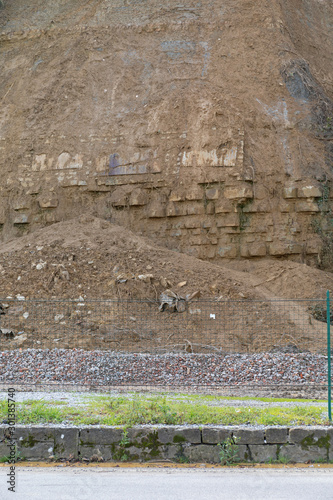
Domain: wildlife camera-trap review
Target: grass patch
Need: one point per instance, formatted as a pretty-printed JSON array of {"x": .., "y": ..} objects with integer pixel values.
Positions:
[
  {"x": 202, "y": 398},
  {"x": 33, "y": 412},
  {"x": 157, "y": 409},
  {"x": 244, "y": 398},
  {"x": 281, "y": 460}
]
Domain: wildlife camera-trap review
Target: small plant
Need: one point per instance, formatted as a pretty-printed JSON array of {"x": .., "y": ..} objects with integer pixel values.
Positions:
[
  {"x": 229, "y": 451},
  {"x": 124, "y": 440},
  {"x": 280, "y": 460},
  {"x": 165, "y": 412},
  {"x": 321, "y": 460},
  {"x": 283, "y": 460},
  {"x": 121, "y": 454},
  {"x": 18, "y": 457}
]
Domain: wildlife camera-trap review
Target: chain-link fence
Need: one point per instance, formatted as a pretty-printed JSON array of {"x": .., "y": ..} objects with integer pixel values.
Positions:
[
  {"x": 198, "y": 326},
  {"x": 264, "y": 344}
]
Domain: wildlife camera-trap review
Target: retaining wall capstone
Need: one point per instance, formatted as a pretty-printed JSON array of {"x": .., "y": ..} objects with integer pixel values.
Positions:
[{"x": 177, "y": 443}]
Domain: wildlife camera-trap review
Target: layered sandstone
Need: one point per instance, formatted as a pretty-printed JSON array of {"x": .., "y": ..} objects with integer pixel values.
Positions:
[{"x": 206, "y": 126}]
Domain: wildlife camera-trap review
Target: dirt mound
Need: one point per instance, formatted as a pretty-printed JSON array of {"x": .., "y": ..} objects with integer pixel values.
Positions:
[
  {"x": 93, "y": 258},
  {"x": 289, "y": 280},
  {"x": 88, "y": 259},
  {"x": 96, "y": 259}
]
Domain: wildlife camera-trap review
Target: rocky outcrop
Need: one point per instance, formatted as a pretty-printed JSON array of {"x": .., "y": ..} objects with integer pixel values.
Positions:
[{"x": 213, "y": 134}]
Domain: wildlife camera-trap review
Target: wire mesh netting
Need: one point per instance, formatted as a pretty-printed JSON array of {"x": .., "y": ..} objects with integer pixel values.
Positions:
[{"x": 198, "y": 326}]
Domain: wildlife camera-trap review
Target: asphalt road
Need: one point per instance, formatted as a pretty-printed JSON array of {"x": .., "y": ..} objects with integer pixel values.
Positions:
[
  {"x": 71, "y": 483},
  {"x": 68, "y": 483}
]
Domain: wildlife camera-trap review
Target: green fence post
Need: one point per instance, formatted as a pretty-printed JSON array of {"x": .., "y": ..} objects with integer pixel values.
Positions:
[{"x": 328, "y": 312}]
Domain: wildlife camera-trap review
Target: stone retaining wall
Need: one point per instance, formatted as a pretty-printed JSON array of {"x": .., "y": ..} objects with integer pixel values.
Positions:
[{"x": 177, "y": 443}]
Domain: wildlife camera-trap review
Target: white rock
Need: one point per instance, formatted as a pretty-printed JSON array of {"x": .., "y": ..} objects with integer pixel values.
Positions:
[
  {"x": 21, "y": 339},
  {"x": 145, "y": 277},
  {"x": 181, "y": 284},
  {"x": 195, "y": 311}
]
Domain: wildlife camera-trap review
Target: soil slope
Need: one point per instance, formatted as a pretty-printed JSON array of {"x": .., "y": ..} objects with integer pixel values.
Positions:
[
  {"x": 159, "y": 95},
  {"x": 96, "y": 259}
]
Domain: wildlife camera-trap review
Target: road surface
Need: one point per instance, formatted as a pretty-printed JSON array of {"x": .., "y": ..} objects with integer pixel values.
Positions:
[{"x": 99, "y": 483}]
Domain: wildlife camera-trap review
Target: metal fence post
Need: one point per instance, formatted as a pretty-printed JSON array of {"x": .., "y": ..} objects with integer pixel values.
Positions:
[{"x": 328, "y": 311}]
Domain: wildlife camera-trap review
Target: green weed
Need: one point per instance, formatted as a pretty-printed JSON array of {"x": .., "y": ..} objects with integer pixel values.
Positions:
[
  {"x": 280, "y": 460},
  {"x": 167, "y": 410},
  {"x": 229, "y": 451}
]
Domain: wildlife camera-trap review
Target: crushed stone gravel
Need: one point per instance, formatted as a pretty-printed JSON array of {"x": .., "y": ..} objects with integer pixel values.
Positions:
[{"x": 102, "y": 368}]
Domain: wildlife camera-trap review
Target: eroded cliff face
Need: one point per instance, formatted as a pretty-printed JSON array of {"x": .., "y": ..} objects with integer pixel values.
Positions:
[{"x": 207, "y": 126}]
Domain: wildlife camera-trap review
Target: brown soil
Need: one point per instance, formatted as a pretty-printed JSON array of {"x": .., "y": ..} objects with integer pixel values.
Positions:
[
  {"x": 90, "y": 257},
  {"x": 141, "y": 79},
  {"x": 150, "y": 82},
  {"x": 98, "y": 256},
  {"x": 93, "y": 259}
]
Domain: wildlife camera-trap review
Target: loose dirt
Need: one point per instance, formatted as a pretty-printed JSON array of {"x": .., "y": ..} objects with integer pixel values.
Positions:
[
  {"x": 150, "y": 81},
  {"x": 86, "y": 258},
  {"x": 93, "y": 258}
]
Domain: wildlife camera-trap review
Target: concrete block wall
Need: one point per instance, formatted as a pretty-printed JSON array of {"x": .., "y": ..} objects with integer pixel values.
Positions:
[{"x": 178, "y": 443}]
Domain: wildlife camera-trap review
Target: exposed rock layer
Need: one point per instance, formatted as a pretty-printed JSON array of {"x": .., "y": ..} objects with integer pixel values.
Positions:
[{"x": 205, "y": 126}]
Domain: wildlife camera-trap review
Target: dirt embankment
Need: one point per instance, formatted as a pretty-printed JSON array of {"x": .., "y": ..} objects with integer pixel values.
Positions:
[
  {"x": 96, "y": 259},
  {"x": 88, "y": 258},
  {"x": 163, "y": 118},
  {"x": 206, "y": 134}
]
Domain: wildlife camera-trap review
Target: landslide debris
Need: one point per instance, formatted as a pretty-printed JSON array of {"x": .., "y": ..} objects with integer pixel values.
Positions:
[{"x": 95, "y": 259}]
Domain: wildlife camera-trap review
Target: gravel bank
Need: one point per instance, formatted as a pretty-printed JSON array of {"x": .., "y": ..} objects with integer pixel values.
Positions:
[{"x": 100, "y": 368}]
